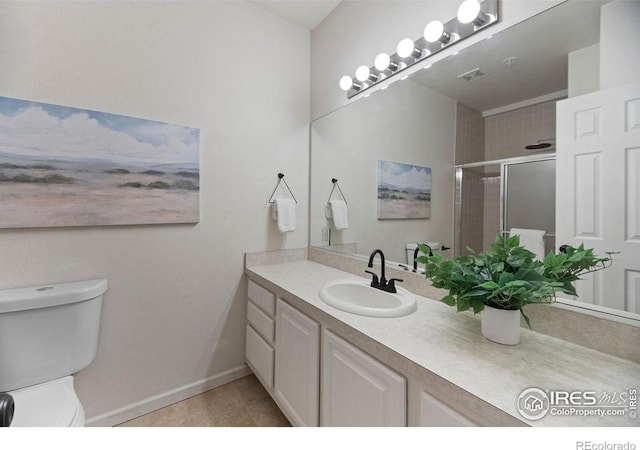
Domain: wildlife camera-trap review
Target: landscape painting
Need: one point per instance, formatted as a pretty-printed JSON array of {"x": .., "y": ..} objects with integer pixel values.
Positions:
[
  {"x": 63, "y": 166},
  {"x": 404, "y": 191}
]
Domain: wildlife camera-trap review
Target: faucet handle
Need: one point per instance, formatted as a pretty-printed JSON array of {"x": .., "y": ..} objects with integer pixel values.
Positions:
[
  {"x": 392, "y": 284},
  {"x": 374, "y": 279}
]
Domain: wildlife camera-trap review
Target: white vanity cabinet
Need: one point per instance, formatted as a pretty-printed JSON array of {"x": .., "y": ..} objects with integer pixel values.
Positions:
[
  {"x": 358, "y": 390},
  {"x": 333, "y": 382},
  {"x": 297, "y": 364},
  {"x": 434, "y": 413},
  {"x": 260, "y": 333}
]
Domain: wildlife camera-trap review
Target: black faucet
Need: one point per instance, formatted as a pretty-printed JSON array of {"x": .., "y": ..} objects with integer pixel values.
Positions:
[
  {"x": 382, "y": 283},
  {"x": 415, "y": 255}
]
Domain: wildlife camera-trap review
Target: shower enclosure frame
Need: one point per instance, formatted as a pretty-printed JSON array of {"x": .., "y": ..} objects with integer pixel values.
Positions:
[{"x": 504, "y": 163}]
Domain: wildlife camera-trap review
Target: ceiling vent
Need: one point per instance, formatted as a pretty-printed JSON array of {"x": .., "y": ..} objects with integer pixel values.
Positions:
[{"x": 472, "y": 75}]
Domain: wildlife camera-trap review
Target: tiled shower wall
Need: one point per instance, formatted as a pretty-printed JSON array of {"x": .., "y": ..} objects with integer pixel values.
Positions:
[
  {"x": 484, "y": 139},
  {"x": 508, "y": 133},
  {"x": 470, "y": 135},
  {"x": 470, "y": 139}
]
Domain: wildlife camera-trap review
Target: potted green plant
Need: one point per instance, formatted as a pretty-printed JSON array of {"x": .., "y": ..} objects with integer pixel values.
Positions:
[{"x": 502, "y": 281}]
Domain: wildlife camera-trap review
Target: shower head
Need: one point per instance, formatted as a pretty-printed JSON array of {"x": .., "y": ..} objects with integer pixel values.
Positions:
[
  {"x": 537, "y": 146},
  {"x": 540, "y": 144}
]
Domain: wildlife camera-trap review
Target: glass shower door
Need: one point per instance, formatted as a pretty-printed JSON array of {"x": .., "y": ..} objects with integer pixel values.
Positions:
[
  {"x": 494, "y": 196},
  {"x": 529, "y": 197}
]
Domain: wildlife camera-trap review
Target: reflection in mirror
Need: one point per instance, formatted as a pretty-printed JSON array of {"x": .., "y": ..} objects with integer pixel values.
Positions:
[
  {"x": 471, "y": 118},
  {"x": 407, "y": 123}
]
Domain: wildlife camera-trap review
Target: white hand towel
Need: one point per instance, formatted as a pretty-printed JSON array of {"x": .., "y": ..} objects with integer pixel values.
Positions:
[
  {"x": 286, "y": 210},
  {"x": 339, "y": 213},
  {"x": 532, "y": 240}
]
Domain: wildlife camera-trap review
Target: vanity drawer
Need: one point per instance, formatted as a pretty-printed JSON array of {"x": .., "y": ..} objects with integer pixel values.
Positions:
[
  {"x": 263, "y": 324},
  {"x": 260, "y": 355},
  {"x": 264, "y": 299}
]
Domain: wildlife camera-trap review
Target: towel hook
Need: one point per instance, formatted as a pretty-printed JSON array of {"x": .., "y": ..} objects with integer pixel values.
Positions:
[
  {"x": 281, "y": 179},
  {"x": 335, "y": 184}
]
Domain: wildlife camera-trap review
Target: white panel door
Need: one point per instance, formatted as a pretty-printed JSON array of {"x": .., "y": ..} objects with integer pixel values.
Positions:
[
  {"x": 297, "y": 364},
  {"x": 357, "y": 390},
  {"x": 598, "y": 189}
]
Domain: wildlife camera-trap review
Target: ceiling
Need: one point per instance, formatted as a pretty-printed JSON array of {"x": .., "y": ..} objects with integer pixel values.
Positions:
[
  {"x": 540, "y": 44},
  {"x": 306, "y": 13}
]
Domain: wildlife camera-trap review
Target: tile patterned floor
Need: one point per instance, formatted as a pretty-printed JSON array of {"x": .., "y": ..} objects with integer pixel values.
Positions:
[{"x": 242, "y": 403}]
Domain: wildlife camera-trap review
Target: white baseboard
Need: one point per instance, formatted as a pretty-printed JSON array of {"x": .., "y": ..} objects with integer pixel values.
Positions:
[{"x": 137, "y": 409}]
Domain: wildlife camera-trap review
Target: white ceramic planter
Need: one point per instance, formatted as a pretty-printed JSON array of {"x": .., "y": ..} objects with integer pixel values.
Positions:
[{"x": 500, "y": 325}]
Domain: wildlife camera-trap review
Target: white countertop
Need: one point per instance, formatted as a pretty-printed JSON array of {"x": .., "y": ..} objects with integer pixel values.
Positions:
[{"x": 450, "y": 345}]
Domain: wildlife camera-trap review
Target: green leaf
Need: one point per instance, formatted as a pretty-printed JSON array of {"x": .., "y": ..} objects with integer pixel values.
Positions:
[
  {"x": 490, "y": 285},
  {"x": 425, "y": 249},
  {"x": 477, "y": 304},
  {"x": 463, "y": 304},
  {"x": 513, "y": 241},
  {"x": 449, "y": 300},
  {"x": 505, "y": 277},
  {"x": 474, "y": 293}
]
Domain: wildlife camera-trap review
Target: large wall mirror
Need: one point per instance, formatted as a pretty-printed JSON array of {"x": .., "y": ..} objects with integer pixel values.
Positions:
[{"x": 451, "y": 154}]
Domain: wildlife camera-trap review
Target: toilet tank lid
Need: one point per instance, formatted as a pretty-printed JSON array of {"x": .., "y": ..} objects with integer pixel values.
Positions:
[
  {"x": 433, "y": 245},
  {"x": 48, "y": 295}
]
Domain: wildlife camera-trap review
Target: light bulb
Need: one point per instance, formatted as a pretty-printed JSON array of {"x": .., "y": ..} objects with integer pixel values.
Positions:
[
  {"x": 468, "y": 11},
  {"x": 433, "y": 31},
  {"x": 382, "y": 62},
  {"x": 362, "y": 73},
  {"x": 346, "y": 83},
  {"x": 405, "y": 48}
]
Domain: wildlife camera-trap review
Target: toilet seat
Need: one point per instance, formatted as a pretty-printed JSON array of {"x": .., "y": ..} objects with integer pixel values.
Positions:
[{"x": 50, "y": 404}]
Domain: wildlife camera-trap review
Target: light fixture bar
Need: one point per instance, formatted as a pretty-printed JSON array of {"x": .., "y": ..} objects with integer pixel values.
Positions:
[{"x": 453, "y": 31}]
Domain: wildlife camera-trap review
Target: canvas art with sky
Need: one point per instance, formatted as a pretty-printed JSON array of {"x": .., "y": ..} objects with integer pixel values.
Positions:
[
  {"x": 63, "y": 166},
  {"x": 404, "y": 191}
]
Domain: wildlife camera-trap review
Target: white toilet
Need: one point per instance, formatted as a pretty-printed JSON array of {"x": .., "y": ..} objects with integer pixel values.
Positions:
[{"x": 47, "y": 334}]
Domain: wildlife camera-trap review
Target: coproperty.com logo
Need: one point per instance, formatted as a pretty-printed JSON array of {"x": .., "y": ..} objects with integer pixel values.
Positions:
[{"x": 535, "y": 403}]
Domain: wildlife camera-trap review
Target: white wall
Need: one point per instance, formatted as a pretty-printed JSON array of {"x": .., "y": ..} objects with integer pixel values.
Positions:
[
  {"x": 174, "y": 312},
  {"x": 406, "y": 123},
  {"x": 356, "y": 31},
  {"x": 619, "y": 37},
  {"x": 583, "y": 71}
]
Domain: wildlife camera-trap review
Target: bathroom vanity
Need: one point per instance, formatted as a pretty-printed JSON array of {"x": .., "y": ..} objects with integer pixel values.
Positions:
[{"x": 327, "y": 367}]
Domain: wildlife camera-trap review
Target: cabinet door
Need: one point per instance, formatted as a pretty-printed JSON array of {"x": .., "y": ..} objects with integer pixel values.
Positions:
[
  {"x": 297, "y": 364},
  {"x": 434, "y": 413},
  {"x": 358, "y": 390}
]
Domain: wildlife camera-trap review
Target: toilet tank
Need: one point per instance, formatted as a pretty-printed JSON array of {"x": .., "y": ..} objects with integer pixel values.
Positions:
[{"x": 48, "y": 332}]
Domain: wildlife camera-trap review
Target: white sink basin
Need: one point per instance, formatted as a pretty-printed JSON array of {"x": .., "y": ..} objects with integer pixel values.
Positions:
[{"x": 358, "y": 297}]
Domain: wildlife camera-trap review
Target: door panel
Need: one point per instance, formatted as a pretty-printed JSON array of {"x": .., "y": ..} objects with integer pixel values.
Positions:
[{"x": 598, "y": 189}]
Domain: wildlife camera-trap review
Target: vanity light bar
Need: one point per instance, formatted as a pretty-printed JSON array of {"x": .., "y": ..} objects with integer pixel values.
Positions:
[{"x": 473, "y": 16}]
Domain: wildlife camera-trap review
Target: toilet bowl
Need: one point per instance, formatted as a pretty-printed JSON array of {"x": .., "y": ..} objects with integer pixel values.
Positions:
[
  {"x": 50, "y": 404},
  {"x": 48, "y": 334}
]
